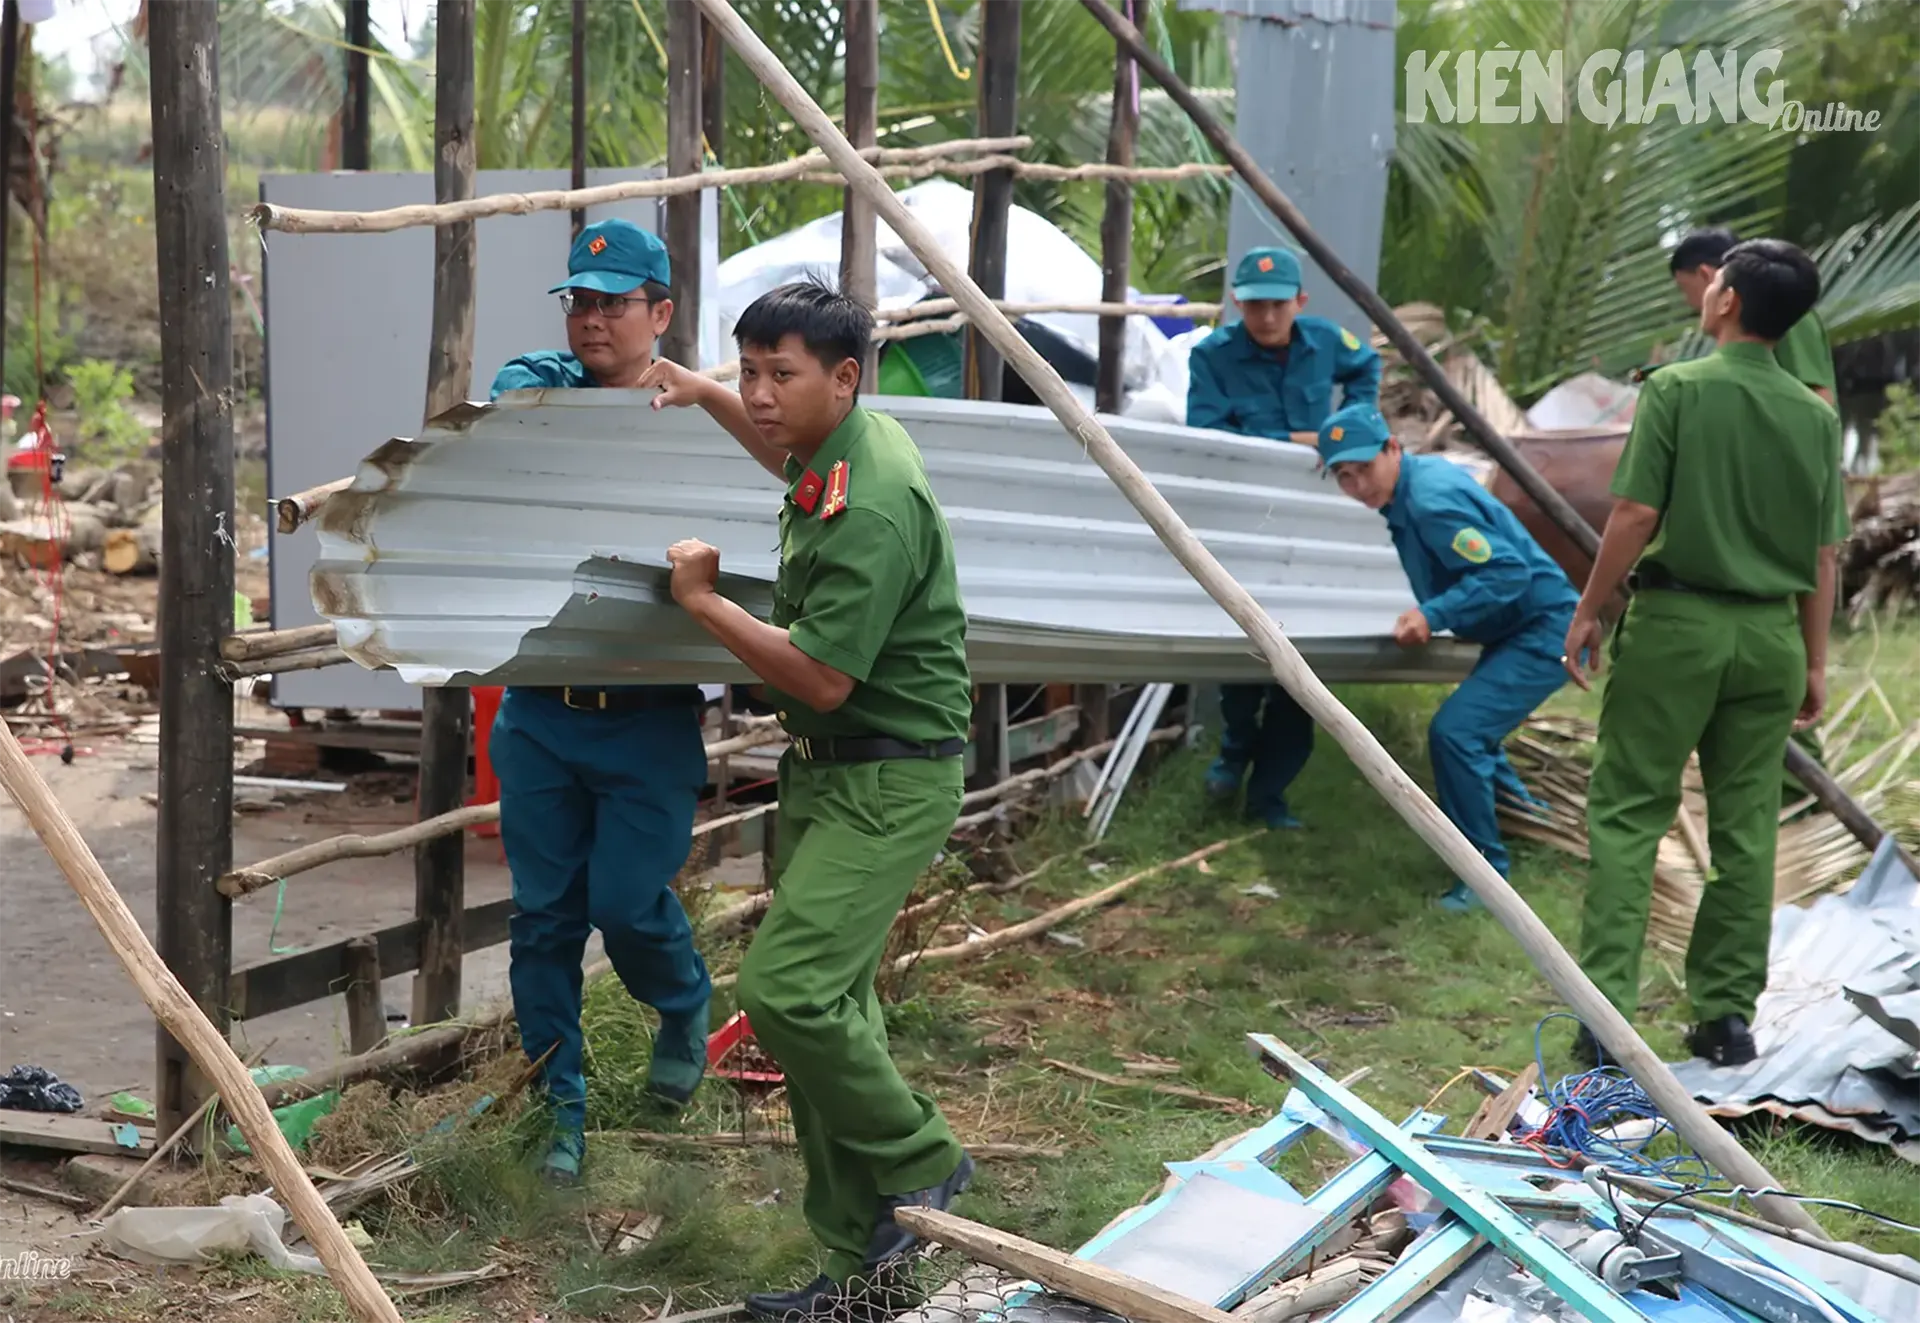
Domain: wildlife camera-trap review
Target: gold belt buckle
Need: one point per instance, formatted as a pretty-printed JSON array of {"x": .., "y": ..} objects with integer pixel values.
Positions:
[
  {"x": 805, "y": 747},
  {"x": 566, "y": 698}
]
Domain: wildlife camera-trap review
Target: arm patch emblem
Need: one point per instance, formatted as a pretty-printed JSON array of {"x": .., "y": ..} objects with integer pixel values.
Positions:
[
  {"x": 1348, "y": 339},
  {"x": 1471, "y": 545}
]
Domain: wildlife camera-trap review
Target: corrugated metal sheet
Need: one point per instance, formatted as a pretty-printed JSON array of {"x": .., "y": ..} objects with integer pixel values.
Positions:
[
  {"x": 524, "y": 542},
  {"x": 1314, "y": 98},
  {"x": 1822, "y": 1059}
]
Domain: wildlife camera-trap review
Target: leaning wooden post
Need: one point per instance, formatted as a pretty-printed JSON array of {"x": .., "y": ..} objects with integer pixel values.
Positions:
[
  {"x": 356, "y": 129},
  {"x": 194, "y": 921},
  {"x": 682, "y": 340},
  {"x": 1831, "y": 795},
  {"x": 446, "y": 712},
  {"x": 1116, "y": 234},
  {"x": 998, "y": 69},
  {"x": 1400, "y": 790},
  {"x": 577, "y": 126},
  {"x": 861, "y": 19},
  {"x": 713, "y": 92}
]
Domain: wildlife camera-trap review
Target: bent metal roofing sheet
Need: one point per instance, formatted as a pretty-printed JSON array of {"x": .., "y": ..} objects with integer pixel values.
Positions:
[{"x": 524, "y": 542}]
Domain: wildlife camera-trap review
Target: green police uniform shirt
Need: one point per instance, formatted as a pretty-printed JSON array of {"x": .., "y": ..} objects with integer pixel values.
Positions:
[
  {"x": 1804, "y": 352},
  {"x": 1743, "y": 464},
  {"x": 868, "y": 586}
]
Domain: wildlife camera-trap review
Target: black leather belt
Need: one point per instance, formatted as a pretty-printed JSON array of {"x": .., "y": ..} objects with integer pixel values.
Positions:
[
  {"x": 1659, "y": 579},
  {"x": 644, "y": 699},
  {"x": 872, "y": 749}
]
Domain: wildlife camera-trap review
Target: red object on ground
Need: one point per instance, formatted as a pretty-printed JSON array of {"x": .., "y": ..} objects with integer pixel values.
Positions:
[
  {"x": 486, "y": 786},
  {"x": 731, "y": 1054}
]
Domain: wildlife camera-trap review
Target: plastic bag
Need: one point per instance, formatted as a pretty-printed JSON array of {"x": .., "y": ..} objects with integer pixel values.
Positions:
[
  {"x": 296, "y": 1121},
  {"x": 36, "y": 1089},
  {"x": 194, "y": 1235}
]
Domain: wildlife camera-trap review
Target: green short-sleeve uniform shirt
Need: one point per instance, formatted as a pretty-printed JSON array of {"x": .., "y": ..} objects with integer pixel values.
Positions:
[
  {"x": 1804, "y": 352},
  {"x": 1743, "y": 463},
  {"x": 868, "y": 586}
]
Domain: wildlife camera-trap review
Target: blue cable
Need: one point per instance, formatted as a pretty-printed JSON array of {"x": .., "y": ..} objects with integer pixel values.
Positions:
[{"x": 1580, "y": 1106}]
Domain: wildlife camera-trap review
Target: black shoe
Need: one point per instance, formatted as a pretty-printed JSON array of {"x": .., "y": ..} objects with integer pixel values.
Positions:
[
  {"x": 1723, "y": 1042},
  {"x": 890, "y": 1239},
  {"x": 1586, "y": 1048},
  {"x": 821, "y": 1300}
]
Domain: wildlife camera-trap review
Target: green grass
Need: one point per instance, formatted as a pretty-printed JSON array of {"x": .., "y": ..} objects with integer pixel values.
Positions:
[{"x": 1348, "y": 962}]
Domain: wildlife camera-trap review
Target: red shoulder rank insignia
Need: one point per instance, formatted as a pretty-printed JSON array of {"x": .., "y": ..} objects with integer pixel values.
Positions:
[
  {"x": 836, "y": 490},
  {"x": 807, "y": 494}
]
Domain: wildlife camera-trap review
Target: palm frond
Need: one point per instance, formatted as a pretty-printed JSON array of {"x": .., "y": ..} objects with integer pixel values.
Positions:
[{"x": 1871, "y": 277}]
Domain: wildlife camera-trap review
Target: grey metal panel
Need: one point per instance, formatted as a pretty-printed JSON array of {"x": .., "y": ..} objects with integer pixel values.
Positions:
[
  {"x": 348, "y": 317},
  {"x": 523, "y": 542},
  {"x": 1314, "y": 105}
]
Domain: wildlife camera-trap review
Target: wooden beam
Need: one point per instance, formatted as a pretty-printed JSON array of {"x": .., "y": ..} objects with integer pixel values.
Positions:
[
  {"x": 356, "y": 126},
  {"x": 858, "y": 252},
  {"x": 1088, "y": 436},
  {"x": 1497, "y": 1113},
  {"x": 329, "y": 971},
  {"x": 1116, "y": 233},
  {"x": 713, "y": 91},
  {"x": 446, "y": 714},
  {"x": 195, "y": 831},
  {"x": 998, "y": 69},
  {"x": 1080, "y": 1279},
  {"x": 577, "y": 126},
  {"x": 73, "y": 1134},
  {"x": 681, "y": 343},
  {"x": 9, "y": 75}
]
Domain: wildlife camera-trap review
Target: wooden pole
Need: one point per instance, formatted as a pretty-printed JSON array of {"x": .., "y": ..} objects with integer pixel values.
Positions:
[
  {"x": 195, "y": 831},
  {"x": 170, "y": 1002},
  {"x": 356, "y": 127},
  {"x": 9, "y": 75},
  {"x": 577, "y": 74},
  {"x": 1116, "y": 234},
  {"x": 1556, "y": 507},
  {"x": 681, "y": 343},
  {"x": 446, "y": 713},
  {"x": 998, "y": 68},
  {"x": 713, "y": 91},
  {"x": 857, "y": 243},
  {"x": 1400, "y": 791},
  {"x": 366, "y": 1008}
]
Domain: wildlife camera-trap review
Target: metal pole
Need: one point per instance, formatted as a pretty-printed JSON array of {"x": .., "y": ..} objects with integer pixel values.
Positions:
[
  {"x": 682, "y": 340},
  {"x": 1555, "y": 506},
  {"x": 1116, "y": 234},
  {"x": 194, "y": 921},
  {"x": 446, "y": 713}
]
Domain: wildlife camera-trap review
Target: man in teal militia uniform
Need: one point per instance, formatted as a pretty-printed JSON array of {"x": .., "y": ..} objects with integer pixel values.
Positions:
[
  {"x": 1477, "y": 573},
  {"x": 866, "y": 660},
  {"x": 1729, "y": 507},
  {"x": 1271, "y": 374},
  {"x": 598, "y": 786}
]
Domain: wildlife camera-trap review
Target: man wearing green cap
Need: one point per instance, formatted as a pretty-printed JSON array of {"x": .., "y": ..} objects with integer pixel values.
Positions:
[
  {"x": 1479, "y": 575},
  {"x": 598, "y": 785},
  {"x": 1271, "y": 374}
]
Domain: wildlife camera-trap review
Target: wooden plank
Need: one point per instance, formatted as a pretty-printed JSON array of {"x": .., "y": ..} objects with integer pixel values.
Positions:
[
  {"x": 1480, "y": 1211},
  {"x": 1116, "y": 234},
  {"x": 1497, "y": 1113},
  {"x": 446, "y": 714},
  {"x": 194, "y": 930},
  {"x": 997, "y": 70},
  {"x": 1039, "y": 736},
  {"x": 681, "y": 343},
  {"x": 71, "y": 1134},
  {"x": 326, "y": 971},
  {"x": 861, "y": 20},
  {"x": 1414, "y": 1275}
]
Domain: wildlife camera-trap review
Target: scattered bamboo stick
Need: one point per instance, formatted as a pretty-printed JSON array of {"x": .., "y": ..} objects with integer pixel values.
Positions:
[
  {"x": 297, "y": 509},
  {"x": 260, "y": 643},
  {"x": 176, "y": 1011},
  {"x": 300, "y": 220},
  {"x": 771, "y": 1139},
  {"x": 308, "y": 659},
  {"x": 1239, "y": 1106},
  {"x": 28, "y": 1188}
]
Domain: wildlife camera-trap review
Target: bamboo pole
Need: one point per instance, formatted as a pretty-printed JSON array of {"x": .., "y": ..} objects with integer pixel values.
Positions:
[
  {"x": 274, "y": 642},
  {"x": 295, "y": 510},
  {"x": 188, "y": 1024},
  {"x": 303, "y": 659},
  {"x": 1400, "y": 791},
  {"x": 302, "y": 220},
  {"x": 946, "y": 307},
  {"x": 1555, "y": 506}
]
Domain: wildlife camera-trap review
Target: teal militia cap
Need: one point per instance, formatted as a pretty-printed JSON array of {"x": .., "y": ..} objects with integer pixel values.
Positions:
[
  {"x": 1355, "y": 433},
  {"x": 615, "y": 257},
  {"x": 1266, "y": 273}
]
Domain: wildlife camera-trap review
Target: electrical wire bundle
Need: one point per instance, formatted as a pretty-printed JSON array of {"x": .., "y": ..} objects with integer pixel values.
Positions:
[{"x": 1582, "y": 1107}]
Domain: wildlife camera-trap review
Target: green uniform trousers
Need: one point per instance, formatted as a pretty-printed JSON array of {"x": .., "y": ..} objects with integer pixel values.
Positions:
[
  {"x": 1727, "y": 679},
  {"x": 852, "y": 839}
]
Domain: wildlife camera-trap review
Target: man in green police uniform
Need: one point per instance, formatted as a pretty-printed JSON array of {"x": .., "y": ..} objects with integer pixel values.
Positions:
[
  {"x": 866, "y": 658},
  {"x": 1730, "y": 484},
  {"x": 1803, "y": 351}
]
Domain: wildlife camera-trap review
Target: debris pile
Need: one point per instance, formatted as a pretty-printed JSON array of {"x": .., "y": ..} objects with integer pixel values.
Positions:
[{"x": 1880, "y": 563}]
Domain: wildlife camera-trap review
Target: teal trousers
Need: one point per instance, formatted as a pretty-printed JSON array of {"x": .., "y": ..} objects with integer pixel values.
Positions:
[
  {"x": 851, "y": 841},
  {"x": 1727, "y": 679}
]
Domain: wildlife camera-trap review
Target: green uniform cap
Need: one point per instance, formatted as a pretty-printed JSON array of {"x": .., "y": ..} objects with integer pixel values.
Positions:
[
  {"x": 615, "y": 257},
  {"x": 1266, "y": 273}
]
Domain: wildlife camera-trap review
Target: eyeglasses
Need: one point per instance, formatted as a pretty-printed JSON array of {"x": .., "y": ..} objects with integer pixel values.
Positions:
[{"x": 610, "y": 306}]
